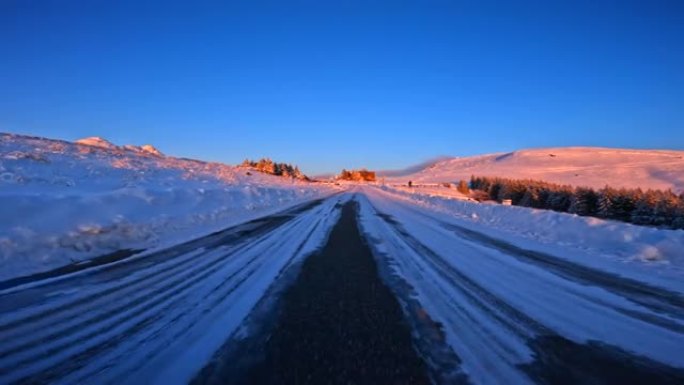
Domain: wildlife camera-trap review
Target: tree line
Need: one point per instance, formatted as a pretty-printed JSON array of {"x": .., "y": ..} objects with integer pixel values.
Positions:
[
  {"x": 268, "y": 166},
  {"x": 649, "y": 207}
]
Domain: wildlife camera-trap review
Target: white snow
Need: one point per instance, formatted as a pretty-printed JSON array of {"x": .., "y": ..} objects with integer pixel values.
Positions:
[
  {"x": 63, "y": 202},
  {"x": 578, "y": 166},
  {"x": 196, "y": 299},
  {"x": 96, "y": 141},
  {"x": 590, "y": 240},
  {"x": 431, "y": 190},
  {"x": 492, "y": 304}
]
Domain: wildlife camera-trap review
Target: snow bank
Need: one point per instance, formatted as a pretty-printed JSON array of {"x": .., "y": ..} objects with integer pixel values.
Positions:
[
  {"x": 432, "y": 190},
  {"x": 610, "y": 239},
  {"x": 64, "y": 202}
]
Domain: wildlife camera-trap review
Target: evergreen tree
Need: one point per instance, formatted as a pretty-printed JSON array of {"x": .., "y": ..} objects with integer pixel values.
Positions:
[
  {"x": 623, "y": 205},
  {"x": 660, "y": 208},
  {"x": 604, "y": 205},
  {"x": 644, "y": 212},
  {"x": 530, "y": 198},
  {"x": 583, "y": 202},
  {"x": 665, "y": 209},
  {"x": 678, "y": 219}
]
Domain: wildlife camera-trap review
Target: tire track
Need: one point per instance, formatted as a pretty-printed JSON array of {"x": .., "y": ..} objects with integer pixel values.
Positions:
[
  {"x": 656, "y": 298},
  {"x": 462, "y": 301},
  {"x": 151, "y": 303}
]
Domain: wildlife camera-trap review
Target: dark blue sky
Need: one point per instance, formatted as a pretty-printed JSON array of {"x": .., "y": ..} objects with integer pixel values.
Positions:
[{"x": 345, "y": 84}]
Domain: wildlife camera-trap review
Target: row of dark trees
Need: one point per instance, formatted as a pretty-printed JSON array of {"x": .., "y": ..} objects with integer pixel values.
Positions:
[
  {"x": 650, "y": 207},
  {"x": 268, "y": 166}
]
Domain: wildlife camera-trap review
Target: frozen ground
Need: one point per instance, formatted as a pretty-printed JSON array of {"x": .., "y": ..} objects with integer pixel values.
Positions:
[
  {"x": 64, "y": 202},
  {"x": 577, "y": 166},
  {"x": 157, "y": 318},
  {"x": 490, "y": 302},
  {"x": 646, "y": 250},
  {"x": 495, "y": 294},
  {"x": 526, "y": 297}
]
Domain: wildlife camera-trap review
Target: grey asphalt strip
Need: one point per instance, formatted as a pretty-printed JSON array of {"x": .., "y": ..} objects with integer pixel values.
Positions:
[{"x": 338, "y": 323}]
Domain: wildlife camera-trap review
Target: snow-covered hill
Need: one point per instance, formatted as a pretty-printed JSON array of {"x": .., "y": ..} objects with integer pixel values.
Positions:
[
  {"x": 64, "y": 201},
  {"x": 578, "y": 166}
]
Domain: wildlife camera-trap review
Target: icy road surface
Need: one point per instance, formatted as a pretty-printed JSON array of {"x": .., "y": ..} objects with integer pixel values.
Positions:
[
  {"x": 155, "y": 318},
  {"x": 516, "y": 316},
  {"x": 484, "y": 310}
]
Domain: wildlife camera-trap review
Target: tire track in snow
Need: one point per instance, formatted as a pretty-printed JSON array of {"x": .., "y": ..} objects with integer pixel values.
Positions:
[
  {"x": 147, "y": 304},
  {"x": 657, "y": 299},
  {"x": 476, "y": 325},
  {"x": 136, "y": 286}
]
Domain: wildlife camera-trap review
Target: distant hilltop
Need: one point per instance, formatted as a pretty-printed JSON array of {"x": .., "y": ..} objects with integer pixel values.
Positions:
[
  {"x": 96, "y": 141},
  {"x": 94, "y": 161},
  {"x": 577, "y": 166}
]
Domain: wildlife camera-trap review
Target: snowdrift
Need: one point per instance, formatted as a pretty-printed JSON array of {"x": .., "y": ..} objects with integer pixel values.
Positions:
[{"x": 63, "y": 202}]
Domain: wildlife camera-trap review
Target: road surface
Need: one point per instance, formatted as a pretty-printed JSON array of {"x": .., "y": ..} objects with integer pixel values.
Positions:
[{"x": 354, "y": 288}]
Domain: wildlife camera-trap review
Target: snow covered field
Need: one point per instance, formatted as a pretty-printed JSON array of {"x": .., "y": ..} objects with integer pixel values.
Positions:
[
  {"x": 63, "y": 202},
  {"x": 512, "y": 290},
  {"x": 647, "y": 250},
  {"x": 577, "y": 166}
]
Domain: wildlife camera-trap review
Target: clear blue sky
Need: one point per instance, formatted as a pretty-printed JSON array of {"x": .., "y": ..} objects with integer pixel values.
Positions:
[{"x": 332, "y": 84}]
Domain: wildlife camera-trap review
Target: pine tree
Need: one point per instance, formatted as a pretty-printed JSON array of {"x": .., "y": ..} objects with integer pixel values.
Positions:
[
  {"x": 665, "y": 209},
  {"x": 604, "y": 205},
  {"x": 624, "y": 204},
  {"x": 678, "y": 219},
  {"x": 530, "y": 198},
  {"x": 583, "y": 202},
  {"x": 644, "y": 212}
]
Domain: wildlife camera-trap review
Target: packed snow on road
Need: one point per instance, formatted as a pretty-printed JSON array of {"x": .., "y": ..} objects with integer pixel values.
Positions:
[
  {"x": 489, "y": 294},
  {"x": 510, "y": 285}
]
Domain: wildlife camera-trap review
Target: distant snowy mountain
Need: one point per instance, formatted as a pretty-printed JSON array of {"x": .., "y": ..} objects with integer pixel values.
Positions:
[
  {"x": 577, "y": 166},
  {"x": 64, "y": 201}
]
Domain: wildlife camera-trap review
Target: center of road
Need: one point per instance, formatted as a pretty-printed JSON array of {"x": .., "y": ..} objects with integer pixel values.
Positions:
[{"x": 339, "y": 322}]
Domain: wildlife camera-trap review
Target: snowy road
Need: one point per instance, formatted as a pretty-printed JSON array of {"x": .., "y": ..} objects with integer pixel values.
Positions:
[
  {"x": 484, "y": 310},
  {"x": 155, "y": 318},
  {"x": 513, "y": 315}
]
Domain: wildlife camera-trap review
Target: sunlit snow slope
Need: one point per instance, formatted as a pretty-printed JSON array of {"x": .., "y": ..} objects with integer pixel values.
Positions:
[
  {"x": 578, "y": 166},
  {"x": 62, "y": 201}
]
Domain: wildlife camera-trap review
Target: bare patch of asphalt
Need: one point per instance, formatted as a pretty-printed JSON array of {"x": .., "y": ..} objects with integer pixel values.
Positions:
[
  {"x": 558, "y": 361},
  {"x": 336, "y": 322}
]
